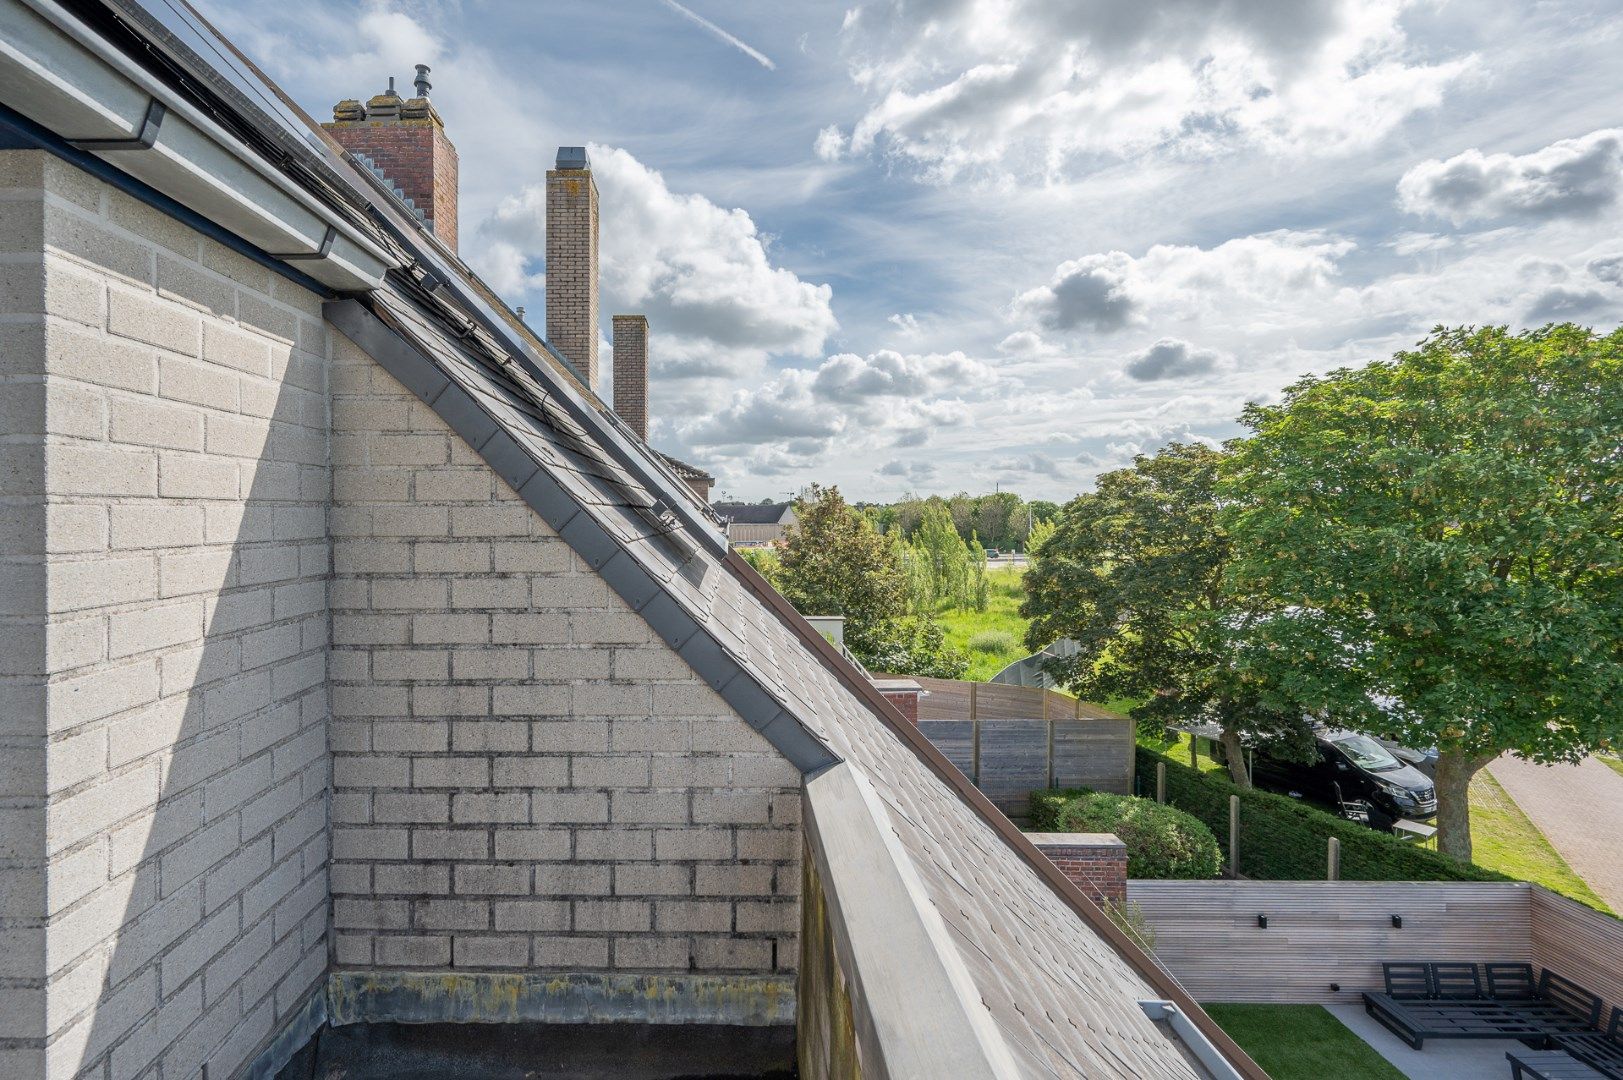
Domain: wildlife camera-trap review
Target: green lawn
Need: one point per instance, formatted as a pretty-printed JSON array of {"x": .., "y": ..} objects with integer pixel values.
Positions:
[
  {"x": 1301, "y": 1042},
  {"x": 1002, "y": 613},
  {"x": 1504, "y": 839},
  {"x": 1612, "y": 761}
]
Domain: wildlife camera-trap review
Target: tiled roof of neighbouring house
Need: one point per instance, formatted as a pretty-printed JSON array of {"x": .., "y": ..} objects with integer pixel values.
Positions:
[
  {"x": 752, "y": 513},
  {"x": 684, "y": 470}
]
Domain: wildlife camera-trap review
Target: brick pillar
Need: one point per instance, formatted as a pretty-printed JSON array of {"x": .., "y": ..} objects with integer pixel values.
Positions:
[
  {"x": 902, "y": 693},
  {"x": 631, "y": 372},
  {"x": 1095, "y": 862},
  {"x": 572, "y": 261},
  {"x": 406, "y": 139}
]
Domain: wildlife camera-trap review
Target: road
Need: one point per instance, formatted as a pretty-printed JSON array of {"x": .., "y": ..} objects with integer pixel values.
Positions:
[{"x": 1580, "y": 809}]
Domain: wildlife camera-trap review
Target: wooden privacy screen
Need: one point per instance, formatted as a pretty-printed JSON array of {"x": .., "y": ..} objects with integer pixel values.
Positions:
[
  {"x": 1011, "y": 740},
  {"x": 1341, "y": 932}
]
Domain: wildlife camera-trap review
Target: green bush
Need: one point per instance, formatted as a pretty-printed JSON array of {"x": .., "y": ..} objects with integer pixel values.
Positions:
[
  {"x": 1162, "y": 842},
  {"x": 1284, "y": 839},
  {"x": 993, "y": 641}
]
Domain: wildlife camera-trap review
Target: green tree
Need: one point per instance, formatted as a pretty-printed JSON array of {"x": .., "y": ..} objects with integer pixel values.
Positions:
[
  {"x": 1447, "y": 528},
  {"x": 1134, "y": 574},
  {"x": 834, "y": 562}
]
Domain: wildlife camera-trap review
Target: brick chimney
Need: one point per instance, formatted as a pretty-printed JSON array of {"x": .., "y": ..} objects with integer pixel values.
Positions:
[
  {"x": 572, "y": 261},
  {"x": 405, "y": 138},
  {"x": 631, "y": 372}
]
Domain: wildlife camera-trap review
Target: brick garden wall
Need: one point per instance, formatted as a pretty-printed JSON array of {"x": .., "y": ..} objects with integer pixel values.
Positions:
[
  {"x": 525, "y": 779},
  {"x": 1095, "y": 862},
  {"x": 163, "y": 770}
]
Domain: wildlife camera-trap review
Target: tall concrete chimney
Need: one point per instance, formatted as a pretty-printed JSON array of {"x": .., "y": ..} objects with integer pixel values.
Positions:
[
  {"x": 631, "y": 372},
  {"x": 406, "y": 140},
  {"x": 572, "y": 261}
]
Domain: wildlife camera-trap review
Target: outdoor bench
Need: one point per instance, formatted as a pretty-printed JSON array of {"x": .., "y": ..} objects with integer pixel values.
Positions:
[
  {"x": 1448, "y": 1001},
  {"x": 1600, "y": 1050},
  {"x": 1550, "y": 1065}
]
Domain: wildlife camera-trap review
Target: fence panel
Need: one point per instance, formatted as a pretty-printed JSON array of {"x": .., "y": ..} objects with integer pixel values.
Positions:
[
  {"x": 955, "y": 739},
  {"x": 1013, "y": 762},
  {"x": 1095, "y": 754}
]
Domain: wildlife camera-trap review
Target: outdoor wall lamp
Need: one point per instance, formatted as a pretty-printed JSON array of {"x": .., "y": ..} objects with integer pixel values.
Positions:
[
  {"x": 1397, "y": 922},
  {"x": 1262, "y": 922}
]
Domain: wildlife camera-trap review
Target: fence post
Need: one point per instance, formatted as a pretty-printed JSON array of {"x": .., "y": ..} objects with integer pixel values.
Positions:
[
  {"x": 1234, "y": 834},
  {"x": 1334, "y": 871},
  {"x": 1160, "y": 781},
  {"x": 974, "y": 735}
]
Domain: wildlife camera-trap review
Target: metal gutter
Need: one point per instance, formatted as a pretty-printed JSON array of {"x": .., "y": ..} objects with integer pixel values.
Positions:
[
  {"x": 949, "y": 773},
  {"x": 69, "y": 79},
  {"x": 17, "y": 132}
]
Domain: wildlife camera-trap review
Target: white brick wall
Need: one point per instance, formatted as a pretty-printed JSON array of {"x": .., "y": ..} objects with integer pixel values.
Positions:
[
  {"x": 165, "y": 485},
  {"x": 524, "y": 778}
]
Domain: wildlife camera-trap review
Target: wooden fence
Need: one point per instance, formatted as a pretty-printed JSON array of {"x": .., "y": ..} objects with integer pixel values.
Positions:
[
  {"x": 1011, "y": 740},
  {"x": 1340, "y": 932}
]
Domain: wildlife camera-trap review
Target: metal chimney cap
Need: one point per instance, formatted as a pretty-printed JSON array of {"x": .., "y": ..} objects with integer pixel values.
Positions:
[
  {"x": 422, "y": 84},
  {"x": 573, "y": 157}
]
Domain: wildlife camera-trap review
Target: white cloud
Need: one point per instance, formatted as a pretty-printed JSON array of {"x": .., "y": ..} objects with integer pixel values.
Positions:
[
  {"x": 703, "y": 275},
  {"x": 830, "y": 144},
  {"x": 1171, "y": 358},
  {"x": 1265, "y": 277},
  {"x": 1030, "y": 87},
  {"x": 1572, "y": 178},
  {"x": 905, "y": 321}
]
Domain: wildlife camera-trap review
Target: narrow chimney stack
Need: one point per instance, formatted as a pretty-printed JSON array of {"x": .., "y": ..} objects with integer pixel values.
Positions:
[
  {"x": 631, "y": 372},
  {"x": 406, "y": 140},
  {"x": 572, "y": 261}
]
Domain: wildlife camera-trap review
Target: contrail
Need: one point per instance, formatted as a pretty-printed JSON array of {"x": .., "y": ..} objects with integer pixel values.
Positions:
[{"x": 754, "y": 54}]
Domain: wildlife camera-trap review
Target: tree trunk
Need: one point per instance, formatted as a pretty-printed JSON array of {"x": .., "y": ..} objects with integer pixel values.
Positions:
[
  {"x": 1235, "y": 754},
  {"x": 1454, "y": 771}
]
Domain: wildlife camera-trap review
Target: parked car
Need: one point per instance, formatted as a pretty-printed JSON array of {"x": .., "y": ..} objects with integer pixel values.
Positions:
[{"x": 1353, "y": 774}]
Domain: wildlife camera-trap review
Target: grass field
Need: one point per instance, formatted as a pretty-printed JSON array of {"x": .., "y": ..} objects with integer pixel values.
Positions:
[
  {"x": 1504, "y": 839},
  {"x": 1612, "y": 761},
  {"x": 1301, "y": 1042},
  {"x": 1002, "y": 613}
]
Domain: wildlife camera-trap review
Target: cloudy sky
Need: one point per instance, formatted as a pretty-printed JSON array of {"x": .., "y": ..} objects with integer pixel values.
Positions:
[{"x": 941, "y": 245}]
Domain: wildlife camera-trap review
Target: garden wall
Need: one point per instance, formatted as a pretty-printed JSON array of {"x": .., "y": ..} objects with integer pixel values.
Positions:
[{"x": 1340, "y": 932}]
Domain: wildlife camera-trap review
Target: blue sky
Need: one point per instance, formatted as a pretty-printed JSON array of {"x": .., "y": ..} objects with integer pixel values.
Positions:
[{"x": 943, "y": 245}]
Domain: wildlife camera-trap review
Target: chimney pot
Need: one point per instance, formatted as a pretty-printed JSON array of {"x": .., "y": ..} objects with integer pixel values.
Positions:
[
  {"x": 406, "y": 141},
  {"x": 573, "y": 157}
]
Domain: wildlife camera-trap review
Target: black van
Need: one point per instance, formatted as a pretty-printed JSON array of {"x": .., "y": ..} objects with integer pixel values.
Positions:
[{"x": 1351, "y": 769}]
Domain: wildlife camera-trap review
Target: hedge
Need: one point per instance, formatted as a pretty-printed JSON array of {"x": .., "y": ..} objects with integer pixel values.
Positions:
[
  {"x": 1281, "y": 839},
  {"x": 1285, "y": 839},
  {"x": 1162, "y": 841}
]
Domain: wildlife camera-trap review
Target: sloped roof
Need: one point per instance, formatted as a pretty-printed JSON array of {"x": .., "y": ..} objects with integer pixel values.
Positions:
[
  {"x": 1059, "y": 982},
  {"x": 684, "y": 470},
  {"x": 752, "y": 513}
]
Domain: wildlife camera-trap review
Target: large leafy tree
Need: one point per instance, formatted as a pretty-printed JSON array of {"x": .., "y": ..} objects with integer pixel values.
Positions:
[
  {"x": 1134, "y": 574},
  {"x": 1447, "y": 530},
  {"x": 834, "y": 562}
]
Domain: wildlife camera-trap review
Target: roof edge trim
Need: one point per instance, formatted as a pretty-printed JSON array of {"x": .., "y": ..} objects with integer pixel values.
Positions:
[
  {"x": 755, "y": 703},
  {"x": 921, "y": 1014}
]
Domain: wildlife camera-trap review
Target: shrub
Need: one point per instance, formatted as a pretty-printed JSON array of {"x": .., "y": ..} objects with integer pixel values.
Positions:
[
  {"x": 993, "y": 641},
  {"x": 1162, "y": 842},
  {"x": 1284, "y": 839}
]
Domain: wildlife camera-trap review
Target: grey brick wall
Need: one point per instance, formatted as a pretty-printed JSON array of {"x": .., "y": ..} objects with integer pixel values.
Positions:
[
  {"x": 631, "y": 372},
  {"x": 524, "y": 779},
  {"x": 165, "y": 484}
]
